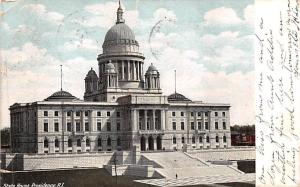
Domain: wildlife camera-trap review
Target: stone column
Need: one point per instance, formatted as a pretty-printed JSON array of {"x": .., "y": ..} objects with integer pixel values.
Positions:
[
  {"x": 133, "y": 119},
  {"x": 154, "y": 143},
  {"x": 123, "y": 69},
  {"x": 138, "y": 70},
  {"x": 162, "y": 120},
  {"x": 82, "y": 128},
  {"x": 145, "y": 119},
  {"x": 134, "y": 70},
  {"x": 195, "y": 121},
  {"x": 138, "y": 119},
  {"x": 153, "y": 119},
  {"x": 128, "y": 70},
  {"x": 73, "y": 120}
]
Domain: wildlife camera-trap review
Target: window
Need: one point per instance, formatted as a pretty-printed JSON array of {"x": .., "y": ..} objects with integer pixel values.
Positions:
[
  {"x": 87, "y": 143},
  {"x": 98, "y": 126},
  {"x": 174, "y": 125},
  {"x": 77, "y": 126},
  {"x": 45, "y": 127},
  {"x": 182, "y": 125},
  {"x": 182, "y": 113},
  {"x": 216, "y": 125},
  {"x": 69, "y": 126},
  {"x": 224, "y": 138},
  {"x": 174, "y": 140},
  {"x": 199, "y": 125},
  {"x": 224, "y": 125},
  {"x": 192, "y": 113},
  {"x": 56, "y": 126},
  {"x": 199, "y": 114},
  {"x": 173, "y": 114},
  {"x": 55, "y": 113},
  {"x": 193, "y": 139},
  {"x": 46, "y": 143},
  {"x": 108, "y": 141},
  {"x": 69, "y": 113},
  {"x": 223, "y": 114},
  {"x": 87, "y": 126},
  {"x": 192, "y": 126},
  {"x": 217, "y": 139},
  {"x": 86, "y": 113},
  {"x": 108, "y": 113},
  {"x": 118, "y": 114},
  {"x": 45, "y": 113},
  {"x": 56, "y": 143},
  {"x": 99, "y": 142},
  {"x": 206, "y": 114},
  {"x": 77, "y": 113},
  {"x": 182, "y": 140},
  {"x": 200, "y": 139},
  {"x": 118, "y": 126},
  {"x": 69, "y": 143},
  {"x": 216, "y": 114},
  {"x": 119, "y": 141},
  {"x": 108, "y": 127},
  {"x": 78, "y": 143},
  {"x": 98, "y": 113},
  {"x": 207, "y": 139},
  {"x": 206, "y": 125}
]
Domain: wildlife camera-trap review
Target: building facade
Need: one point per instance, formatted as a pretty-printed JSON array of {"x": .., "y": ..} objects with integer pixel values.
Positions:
[{"x": 123, "y": 107}]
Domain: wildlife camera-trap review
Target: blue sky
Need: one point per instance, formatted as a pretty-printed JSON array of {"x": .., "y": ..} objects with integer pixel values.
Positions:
[{"x": 209, "y": 43}]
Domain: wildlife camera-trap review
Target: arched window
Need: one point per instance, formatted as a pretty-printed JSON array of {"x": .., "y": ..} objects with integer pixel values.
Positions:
[
  {"x": 174, "y": 140},
  {"x": 182, "y": 140},
  {"x": 200, "y": 139},
  {"x": 119, "y": 141},
  {"x": 224, "y": 138},
  {"x": 193, "y": 139},
  {"x": 207, "y": 139},
  {"x": 217, "y": 138},
  {"x": 78, "y": 143},
  {"x": 56, "y": 143},
  {"x": 108, "y": 141},
  {"x": 87, "y": 142},
  {"x": 69, "y": 143},
  {"x": 99, "y": 142},
  {"x": 46, "y": 143}
]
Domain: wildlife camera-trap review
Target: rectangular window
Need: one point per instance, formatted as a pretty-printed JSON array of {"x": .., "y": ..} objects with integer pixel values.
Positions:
[
  {"x": 118, "y": 126},
  {"x": 56, "y": 126},
  {"x": 98, "y": 113},
  {"x": 77, "y": 126},
  {"x": 108, "y": 113},
  {"x": 192, "y": 113},
  {"x": 216, "y": 125},
  {"x": 87, "y": 126},
  {"x": 192, "y": 126},
  {"x": 118, "y": 114},
  {"x": 174, "y": 125},
  {"x": 69, "y": 113},
  {"x": 206, "y": 114},
  {"x": 224, "y": 125},
  {"x": 55, "y": 113},
  {"x": 199, "y": 125},
  {"x": 86, "y": 113},
  {"x": 45, "y": 127},
  {"x": 206, "y": 125},
  {"x": 98, "y": 126},
  {"x": 182, "y": 113},
  {"x": 216, "y": 114},
  {"x": 108, "y": 127},
  {"x": 223, "y": 114},
  {"x": 45, "y": 113},
  {"x": 182, "y": 125},
  {"x": 77, "y": 113},
  {"x": 199, "y": 114},
  {"x": 173, "y": 114},
  {"x": 69, "y": 126}
]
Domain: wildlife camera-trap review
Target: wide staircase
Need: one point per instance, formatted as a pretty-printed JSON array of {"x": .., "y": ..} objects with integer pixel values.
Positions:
[{"x": 184, "y": 166}]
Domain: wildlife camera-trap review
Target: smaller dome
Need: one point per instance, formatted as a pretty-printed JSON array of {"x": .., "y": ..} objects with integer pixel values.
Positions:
[
  {"x": 61, "y": 95},
  {"x": 92, "y": 74},
  {"x": 152, "y": 69},
  {"x": 110, "y": 68},
  {"x": 177, "y": 97}
]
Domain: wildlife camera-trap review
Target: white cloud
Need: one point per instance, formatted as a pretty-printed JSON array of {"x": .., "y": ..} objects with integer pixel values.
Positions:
[
  {"x": 249, "y": 15},
  {"x": 43, "y": 13},
  {"x": 163, "y": 13},
  {"x": 222, "y": 15},
  {"x": 104, "y": 15},
  {"x": 85, "y": 44}
]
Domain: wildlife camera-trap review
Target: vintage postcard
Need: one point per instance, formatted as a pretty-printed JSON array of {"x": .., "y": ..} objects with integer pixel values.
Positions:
[{"x": 149, "y": 93}]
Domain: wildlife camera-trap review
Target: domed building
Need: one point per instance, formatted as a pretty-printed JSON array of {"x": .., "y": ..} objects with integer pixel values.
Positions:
[{"x": 123, "y": 108}]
